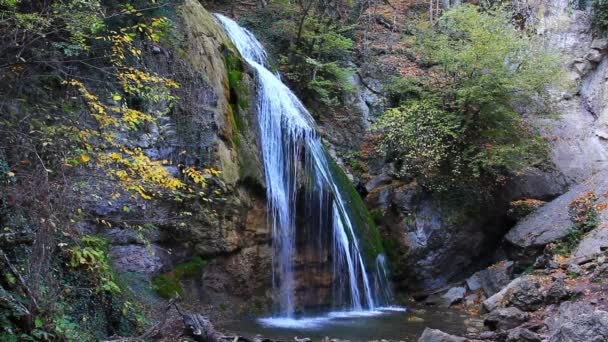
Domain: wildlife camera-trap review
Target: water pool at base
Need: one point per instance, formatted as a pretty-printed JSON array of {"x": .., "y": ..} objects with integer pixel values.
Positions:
[{"x": 393, "y": 323}]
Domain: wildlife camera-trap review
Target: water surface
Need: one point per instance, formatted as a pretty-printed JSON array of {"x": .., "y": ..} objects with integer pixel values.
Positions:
[{"x": 394, "y": 324}]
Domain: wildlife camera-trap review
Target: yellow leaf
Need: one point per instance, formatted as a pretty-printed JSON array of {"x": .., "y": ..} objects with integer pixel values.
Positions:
[
  {"x": 116, "y": 97},
  {"x": 84, "y": 158}
]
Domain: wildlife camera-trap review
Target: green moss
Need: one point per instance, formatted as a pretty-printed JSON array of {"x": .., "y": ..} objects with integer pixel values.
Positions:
[
  {"x": 166, "y": 287},
  {"x": 168, "y": 284},
  {"x": 367, "y": 233}
]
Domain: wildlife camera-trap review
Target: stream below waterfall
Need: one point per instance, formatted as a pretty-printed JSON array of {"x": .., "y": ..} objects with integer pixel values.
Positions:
[{"x": 390, "y": 323}]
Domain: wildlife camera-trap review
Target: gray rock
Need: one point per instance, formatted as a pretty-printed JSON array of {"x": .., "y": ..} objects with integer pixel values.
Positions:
[
  {"x": 379, "y": 180},
  {"x": 557, "y": 292},
  {"x": 526, "y": 295},
  {"x": 573, "y": 268},
  {"x": 118, "y": 236},
  {"x": 594, "y": 56},
  {"x": 505, "y": 318},
  {"x": 591, "y": 245},
  {"x": 599, "y": 44},
  {"x": 522, "y": 335},
  {"x": 454, "y": 295},
  {"x": 551, "y": 222},
  {"x": 140, "y": 259},
  {"x": 499, "y": 298},
  {"x": 435, "y": 335},
  {"x": 578, "y": 321},
  {"x": 582, "y": 67},
  {"x": 495, "y": 277},
  {"x": 474, "y": 282}
]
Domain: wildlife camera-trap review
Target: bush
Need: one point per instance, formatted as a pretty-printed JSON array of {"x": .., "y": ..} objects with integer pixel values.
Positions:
[{"x": 459, "y": 127}]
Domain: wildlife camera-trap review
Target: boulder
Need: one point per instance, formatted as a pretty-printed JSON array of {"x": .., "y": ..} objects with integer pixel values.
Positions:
[
  {"x": 551, "y": 222},
  {"x": 594, "y": 243},
  {"x": 522, "y": 335},
  {"x": 495, "y": 277},
  {"x": 435, "y": 335},
  {"x": 526, "y": 295},
  {"x": 578, "y": 321},
  {"x": 499, "y": 298},
  {"x": 454, "y": 295},
  {"x": 557, "y": 292},
  {"x": 505, "y": 318},
  {"x": 474, "y": 282}
]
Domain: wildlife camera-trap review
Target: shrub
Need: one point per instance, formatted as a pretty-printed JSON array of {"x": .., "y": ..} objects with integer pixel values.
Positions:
[{"x": 460, "y": 127}]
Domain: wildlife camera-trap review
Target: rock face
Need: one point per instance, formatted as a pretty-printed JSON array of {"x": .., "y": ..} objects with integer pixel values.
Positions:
[
  {"x": 435, "y": 335},
  {"x": 577, "y": 321}
]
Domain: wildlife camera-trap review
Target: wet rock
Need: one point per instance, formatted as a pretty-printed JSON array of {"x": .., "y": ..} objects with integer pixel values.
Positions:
[
  {"x": 435, "y": 335},
  {"x": 495, "y": 277},
  {"x": 454, "y": 295},
  {"x": 526, "y": 295},
  {"x": 522, "y": 335},
  {"x": 505, "y": 318},
  {"x": 578, "y": 321}
]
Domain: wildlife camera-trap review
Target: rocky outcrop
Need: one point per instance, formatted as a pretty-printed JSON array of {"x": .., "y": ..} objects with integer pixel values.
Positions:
[
  {"x": 435, "y": 335},
  {"x": 552, "y": 221},
  {"x": 578, "y": 321}
]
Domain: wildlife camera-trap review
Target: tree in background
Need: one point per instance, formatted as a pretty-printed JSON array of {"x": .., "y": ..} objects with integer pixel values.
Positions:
[{"x": 465, "y": 114}]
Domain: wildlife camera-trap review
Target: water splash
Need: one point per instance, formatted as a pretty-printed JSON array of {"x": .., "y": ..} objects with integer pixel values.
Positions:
[{"x": 296, "y": 170}]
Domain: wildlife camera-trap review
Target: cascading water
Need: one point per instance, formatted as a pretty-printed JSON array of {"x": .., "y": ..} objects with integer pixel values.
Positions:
[{"x": 300, "y": 183}]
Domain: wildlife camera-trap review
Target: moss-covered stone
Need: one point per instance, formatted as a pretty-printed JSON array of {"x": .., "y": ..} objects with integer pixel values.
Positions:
[{"x": 168, "y": 284}]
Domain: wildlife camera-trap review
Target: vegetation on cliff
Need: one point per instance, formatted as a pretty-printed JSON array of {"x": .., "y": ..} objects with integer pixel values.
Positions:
[
  {"x": 78, "y": 100},
  {"x": 460, "y": 126}
]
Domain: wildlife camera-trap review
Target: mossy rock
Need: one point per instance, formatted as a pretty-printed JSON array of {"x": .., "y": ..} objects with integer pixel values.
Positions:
[{"x": 168, "y": 284}]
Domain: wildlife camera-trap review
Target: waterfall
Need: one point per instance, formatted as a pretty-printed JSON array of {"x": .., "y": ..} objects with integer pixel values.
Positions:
[{"x": 297, "y": 170}]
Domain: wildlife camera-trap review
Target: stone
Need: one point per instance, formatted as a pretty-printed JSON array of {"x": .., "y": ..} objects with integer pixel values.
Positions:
[
  {"x": 495, "y": 277},
  {"x": 591, "y": 245},
  {"x": 582, "y": 67},
  {"x": 551, "y": 222},
  {"x": 522, "y": 335},
  {"x": 594, "y": 56},
  {"x": 557, "y": 292},
  {"x": 578, "y": 321},
  {"x": 599, "y": 44},
  {"x": 526, "y": 295},
  {"x": 574, "y": 269},
  {"x": 436, "y": 335},
  {"x": 505, "y": 318},
  {"x": 474, "y": 282},
  {"x": 139, "y": 259},
  {"x": 454, "y": 295},
  {"x": 499, "y": 298},
  {"x": 379, "y": 180}
]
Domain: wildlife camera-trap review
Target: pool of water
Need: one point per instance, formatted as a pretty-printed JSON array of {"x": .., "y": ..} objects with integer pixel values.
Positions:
[{"x": 392, "y": 323}]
